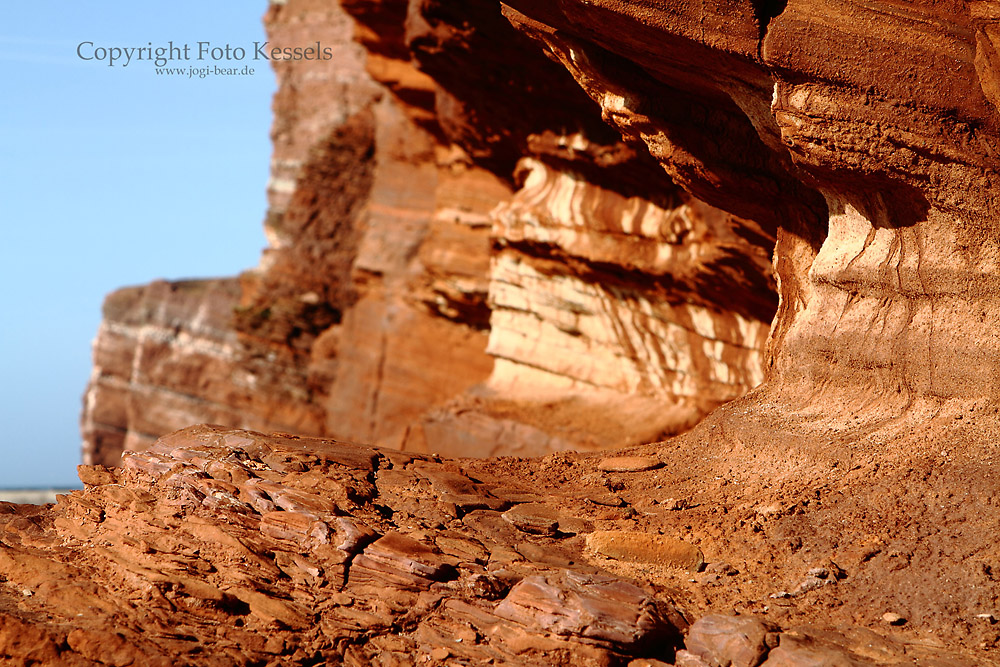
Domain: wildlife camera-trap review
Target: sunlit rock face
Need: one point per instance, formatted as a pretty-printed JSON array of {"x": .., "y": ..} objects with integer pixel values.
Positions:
[
  {"x": 543, "y": 226},
  {"x": 615, "y": 304},
  {"x": 586, "y": 256},
  {"x": 449, "y": 266},
  {"x": 871, "y": 150},
  {"x": 619, "y": 289}
]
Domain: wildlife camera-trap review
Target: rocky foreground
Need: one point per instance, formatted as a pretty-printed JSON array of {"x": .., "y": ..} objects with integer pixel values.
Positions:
[{"x": 228, "y": 547}]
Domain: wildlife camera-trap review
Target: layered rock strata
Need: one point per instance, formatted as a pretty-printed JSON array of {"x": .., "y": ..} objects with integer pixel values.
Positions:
[
  {"x": 845, "y": 508},
  {"x": 164, "y": 356},
  {"x": 871, "y": 148},
  {"x": 445, "y": 270}
]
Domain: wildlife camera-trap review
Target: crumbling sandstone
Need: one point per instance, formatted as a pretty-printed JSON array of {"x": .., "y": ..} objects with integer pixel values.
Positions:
[
  {"x": 228, "y": 547},
  {"x": 528, "y": 228}
]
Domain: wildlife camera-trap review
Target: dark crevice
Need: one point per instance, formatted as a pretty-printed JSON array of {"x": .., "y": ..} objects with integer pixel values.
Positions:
[
  {"x": 764, "y": 11},
  {"x": 723, "y": 276}
]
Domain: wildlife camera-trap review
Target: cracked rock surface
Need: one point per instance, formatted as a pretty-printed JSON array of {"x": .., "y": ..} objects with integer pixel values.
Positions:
[{"x": 228, "y": 547}]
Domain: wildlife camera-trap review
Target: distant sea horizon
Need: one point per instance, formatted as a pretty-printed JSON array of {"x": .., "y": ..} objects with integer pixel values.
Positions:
[{"x": 35, "y": 496}]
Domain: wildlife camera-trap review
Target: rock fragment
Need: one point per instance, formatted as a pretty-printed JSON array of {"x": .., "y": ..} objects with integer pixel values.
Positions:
[
  {"x": 95, "y": 475},
  {"x": 810, "y": 584},
  {"x": 302, "y": 528},
  {"x": 534, "y": 518},
  {"x": 639, "y": 547},
  {"x": 601, "y": 608},
  {"x": 467, "y": 549},
  {"x": 721, "y": 568},
  {"x": 272, "y": 609},
  {"x": 402, "y": 562},
  {"x": 605, "y": 499},
  {"x": 740, "y": 641},
  {"x": 685, "y": 658},
  {"x": 795, "y": 650},
  {"x": 487, "y": 587},
  {"x": 628, "y": 464},
  {"x": 352, "y": 535},
  {"x": 106, "y": 648},
  {"x": 575, "y": 526}
]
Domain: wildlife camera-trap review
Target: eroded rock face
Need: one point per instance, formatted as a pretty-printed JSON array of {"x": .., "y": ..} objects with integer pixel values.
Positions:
[
  {"x": 167, "y": 355},
  {"x": 452, "y": 269},
  {"x": 888, "y": 122},
  {"x": 593, "y": 277}
]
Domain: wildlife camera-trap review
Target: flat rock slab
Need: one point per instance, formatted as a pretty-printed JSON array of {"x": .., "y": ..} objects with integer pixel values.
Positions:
[
  {"x": 535, "y": 518},
  {"x": 401, "y": 561},
  {"x": 740, "y": 641},
  {"x": 637, "y": 547},
  {"x": 602, "y": 609},
  {"x": 628, "y": 464}
]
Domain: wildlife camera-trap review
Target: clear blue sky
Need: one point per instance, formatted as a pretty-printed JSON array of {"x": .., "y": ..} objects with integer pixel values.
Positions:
[{"x": 111, "y": 176}]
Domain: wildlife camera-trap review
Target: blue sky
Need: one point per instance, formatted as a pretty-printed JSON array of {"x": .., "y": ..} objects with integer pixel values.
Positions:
[{"x": 112, "y": 176}]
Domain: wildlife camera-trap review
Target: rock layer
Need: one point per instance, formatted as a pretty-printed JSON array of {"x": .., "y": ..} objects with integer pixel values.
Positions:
[
  {"x": 873, "y": 273},
  {"x": 164, "y": 356}
]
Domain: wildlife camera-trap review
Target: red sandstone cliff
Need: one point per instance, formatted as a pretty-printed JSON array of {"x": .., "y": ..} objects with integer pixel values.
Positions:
[
  {"x": 535, "y": 226},
  {"x": 447, "y": 270}
]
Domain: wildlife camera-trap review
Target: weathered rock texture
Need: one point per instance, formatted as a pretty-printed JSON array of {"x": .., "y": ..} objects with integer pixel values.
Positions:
[
  {"x": 225, "y": 547},
  {"x": 369, "y": 305},
  {"x": 538, "y": 226},
  {"x": 447, "y": 269}
]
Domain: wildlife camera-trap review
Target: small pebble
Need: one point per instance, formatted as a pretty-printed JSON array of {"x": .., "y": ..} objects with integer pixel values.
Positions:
[
  {"x": 628, "y": 464},
  {"x": 989, "y": 618},
  {"x": 809, "y": 584},
  {"x": 892, "y": 618},
  {"x": 721, "y": 568}
]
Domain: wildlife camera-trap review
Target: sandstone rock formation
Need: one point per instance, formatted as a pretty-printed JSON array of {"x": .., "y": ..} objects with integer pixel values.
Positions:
[
  {"x": 447, "y": 272},
  {"x": 534, "y": 227}
]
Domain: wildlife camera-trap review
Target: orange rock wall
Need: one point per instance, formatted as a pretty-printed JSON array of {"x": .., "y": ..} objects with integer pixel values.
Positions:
[{"x": 450, "y": 269}]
